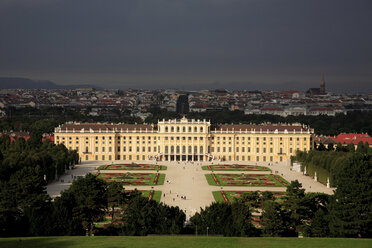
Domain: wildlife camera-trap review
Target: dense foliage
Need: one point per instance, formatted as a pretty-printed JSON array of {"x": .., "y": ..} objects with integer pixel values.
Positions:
[
  {"x": 326, "y": 162},
  {"x": 48, "y": 118}
]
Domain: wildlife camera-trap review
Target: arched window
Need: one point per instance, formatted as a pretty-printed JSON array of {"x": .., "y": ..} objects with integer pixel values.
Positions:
[
  {"x": 189, "y": 129},
  {"x": 166, "y": 129},
  {"x": 172, "y": 149},
  {"x": 172, "y": 129},
  {"x": 184, "y": 129},
  {"x": 177, "y": 149},
  {"x": 178, "y": 129},
  {"x": 201, "y": 129},
  {"x": 190, "y": 149},
  {"x": 183, "y": 149},
  {"x": 195, "y": 129}
]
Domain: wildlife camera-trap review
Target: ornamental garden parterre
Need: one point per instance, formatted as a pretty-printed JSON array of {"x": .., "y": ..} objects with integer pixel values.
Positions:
[{"x": 258, "y": 180}]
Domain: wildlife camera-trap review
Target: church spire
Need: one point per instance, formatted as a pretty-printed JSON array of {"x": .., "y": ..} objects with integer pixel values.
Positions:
[{"x": 322, "y": 84}]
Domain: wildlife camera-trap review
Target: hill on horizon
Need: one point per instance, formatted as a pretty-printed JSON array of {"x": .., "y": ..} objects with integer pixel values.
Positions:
[{"x": 26, "y": 83}]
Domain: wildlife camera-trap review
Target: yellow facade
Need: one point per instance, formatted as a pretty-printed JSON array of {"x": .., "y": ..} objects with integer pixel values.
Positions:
[{"x": 184, "y": 140}]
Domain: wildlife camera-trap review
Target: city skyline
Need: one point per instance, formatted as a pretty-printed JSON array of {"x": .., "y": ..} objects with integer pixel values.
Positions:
[{"x": 253, "y": 45}]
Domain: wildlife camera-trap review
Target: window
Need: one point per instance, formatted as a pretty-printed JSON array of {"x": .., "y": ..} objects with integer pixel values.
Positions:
[
  {"x": 110, "y": 149},
  {"x": 124, "y": 149},
  {"x": 257, "y": 150},
  {"x": 257, "y": 158},
  {"x": 103, "y": 157},
  {"x": 184, "y": 129},
  {"x": 271, "y": 150},
  {"x": 118, "y": 148},
  {"x": 166, "y": 129},
  {"x": 118, "y": 157},
  {"x": 190, "y": 150},
  {"x": 103, "y": 149},
  {"x": 143, "y": 149},
  {"x": 172, "y": 129},
  {"x": 201, "y": 129},
  {"x": 237, "y": 149},
  {"x": 178, "y": 129},
  {"x": 130, "y": 149},
  {"x": 96, "y": 149},
  {"x": 230, "y": 149},
  {"x": 137, "y": 148},
  {"x": 96, "y": 157},
  {"x": 224, "y": 149},
  {"x": 201, "y": 149},
  {"x": 183, "y": 149},
  {"x": 149, "y": 149},
  {"x": 110, "y": 157}
]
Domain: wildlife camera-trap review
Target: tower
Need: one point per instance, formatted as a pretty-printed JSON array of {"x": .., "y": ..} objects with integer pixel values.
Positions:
[{"x": 322, "y": 85}]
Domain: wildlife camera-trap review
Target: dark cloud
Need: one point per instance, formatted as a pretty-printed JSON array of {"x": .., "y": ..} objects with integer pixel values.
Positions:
[{"x": 188, "y": 44}]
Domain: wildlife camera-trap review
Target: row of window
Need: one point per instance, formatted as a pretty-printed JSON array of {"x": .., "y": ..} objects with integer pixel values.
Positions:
[
  {"x": 183, "y": 138},
  {"x": 178, "y": 129},
  {"x": 118, "y": 157}
]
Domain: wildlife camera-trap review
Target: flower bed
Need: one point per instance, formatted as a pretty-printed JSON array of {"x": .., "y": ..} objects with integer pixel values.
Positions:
[
  {"x": 235, "y": 167},
  {"x": 257, "y": 180},
  {"x": 230, "y": 196},
  {"x": 132, "y": 167},
  {"x": 137, "y": 179}
]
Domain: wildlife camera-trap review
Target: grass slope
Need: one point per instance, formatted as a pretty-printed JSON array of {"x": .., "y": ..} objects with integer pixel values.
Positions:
[{"x": 174, "y": 241}]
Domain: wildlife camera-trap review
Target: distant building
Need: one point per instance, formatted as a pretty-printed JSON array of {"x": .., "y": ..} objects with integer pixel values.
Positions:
[
  {"x": 182, "y": 106},
  {"x": 317, "y": 91}
]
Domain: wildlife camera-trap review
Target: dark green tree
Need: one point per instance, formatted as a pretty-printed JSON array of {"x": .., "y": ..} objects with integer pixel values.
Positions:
[
  {"x": 273, "y": 219},
  {"x": 90, "y": 198},
  {"x": 351, "y": 207}
]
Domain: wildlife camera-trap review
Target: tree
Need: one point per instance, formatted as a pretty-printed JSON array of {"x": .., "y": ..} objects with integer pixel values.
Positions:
[
  {"x": 90, "y": 198},
  {"x": 273, "y": 219},
  {"x": 116, "y": 196},
  {"x": 296, "y": 205},
  {"x": 351, "y": 206}
]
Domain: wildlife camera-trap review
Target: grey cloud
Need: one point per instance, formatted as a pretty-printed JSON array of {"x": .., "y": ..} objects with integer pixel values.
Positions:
[{"x": 170, "y": 42}]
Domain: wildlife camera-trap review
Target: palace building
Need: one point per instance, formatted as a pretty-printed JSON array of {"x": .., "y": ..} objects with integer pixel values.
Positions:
[{"x": 185, "y": 140}]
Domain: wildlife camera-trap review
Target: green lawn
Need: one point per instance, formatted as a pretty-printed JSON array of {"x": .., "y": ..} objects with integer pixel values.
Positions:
[
  {"x": 210, "y": 179},
  {"x": 218, "y": 196},
  {"x": 161, "y": 179},
  {"x": 175, "y": 241}
]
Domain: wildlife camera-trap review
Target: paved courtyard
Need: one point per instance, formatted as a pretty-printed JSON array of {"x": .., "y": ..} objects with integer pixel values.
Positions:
[{"x": 188, "y": 180}]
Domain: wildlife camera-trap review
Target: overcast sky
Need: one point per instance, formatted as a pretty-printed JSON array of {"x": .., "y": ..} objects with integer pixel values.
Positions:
[{"x": 191, "y": 44}]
